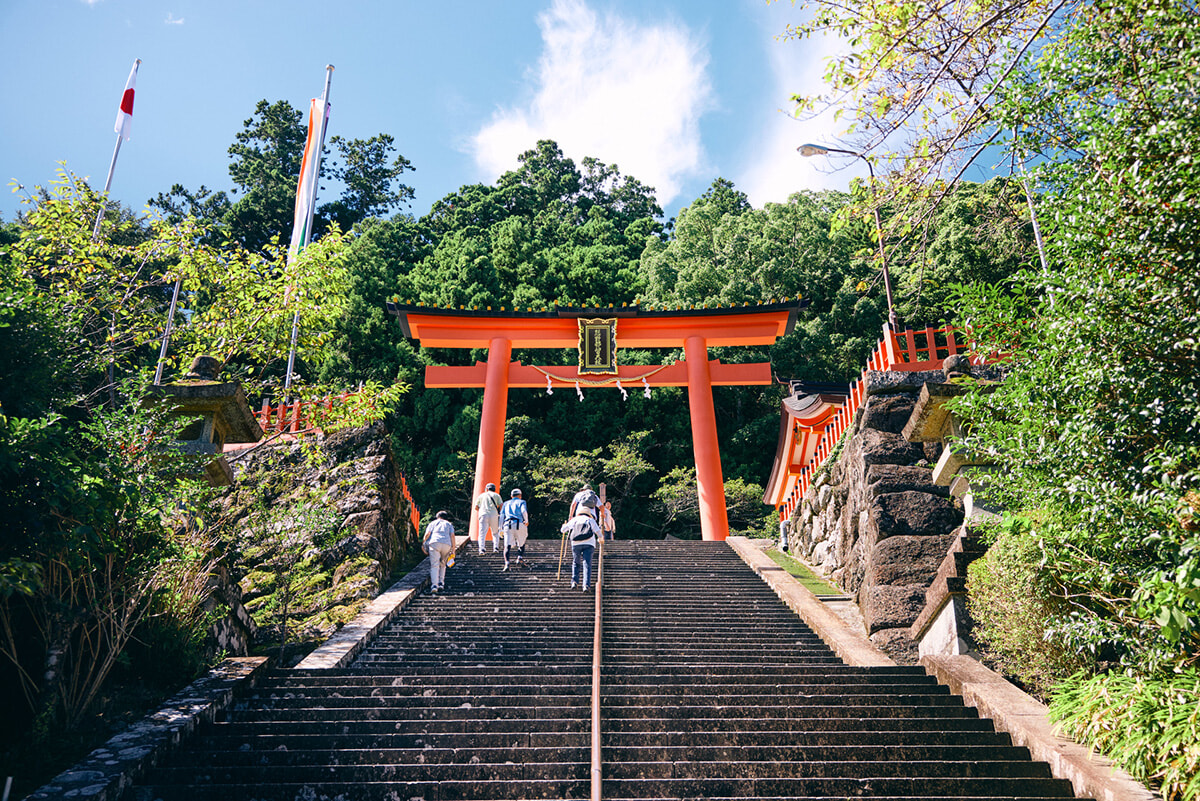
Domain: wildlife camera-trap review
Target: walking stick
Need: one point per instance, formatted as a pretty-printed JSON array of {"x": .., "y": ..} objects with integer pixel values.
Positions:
[{"x": 562, "y": 549}]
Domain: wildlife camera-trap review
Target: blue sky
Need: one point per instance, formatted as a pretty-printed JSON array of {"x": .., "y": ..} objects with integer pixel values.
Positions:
[{"x": 675, "y": 92}]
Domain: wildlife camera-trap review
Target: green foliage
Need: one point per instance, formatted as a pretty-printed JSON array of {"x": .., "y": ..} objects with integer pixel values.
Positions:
[
  {"x": 362, "y": 166},
  {"x": 264, "y": 165},
  {"x": 923, "y": 74},
  {"x": 1017, "y": 609},
  {"x": 803, "y": 573},
  {"x": 87, "y": 548},
  {"x": 676, "y": 505},
  {"x": 285, "y": 539},
  {"x": 1096, "y": 423},
  {"x": 93, "y": 310},
  {"x": 1149, "y": 726}
]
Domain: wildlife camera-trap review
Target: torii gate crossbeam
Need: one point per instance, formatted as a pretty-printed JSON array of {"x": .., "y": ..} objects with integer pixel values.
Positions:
[{"x": 692, "y": 330}]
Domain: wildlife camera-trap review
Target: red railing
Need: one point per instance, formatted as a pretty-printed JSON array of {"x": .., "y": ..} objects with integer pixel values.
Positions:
[
  {"x": 903, "y": 351},
  {"x": 413, "y": 514},
  {"x": 296, "y": 418}
]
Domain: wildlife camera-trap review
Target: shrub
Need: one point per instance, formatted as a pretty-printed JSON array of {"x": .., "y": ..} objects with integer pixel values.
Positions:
[
  {"x": 1013, "y": 603},
  {"x": 1148, "y": 726}
]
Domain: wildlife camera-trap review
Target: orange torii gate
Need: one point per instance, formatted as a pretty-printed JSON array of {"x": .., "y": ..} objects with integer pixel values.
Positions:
[{"x": 595, "y": 332}]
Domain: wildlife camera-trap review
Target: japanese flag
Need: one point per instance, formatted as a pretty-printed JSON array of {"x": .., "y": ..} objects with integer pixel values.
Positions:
[{"x": 125, "y": 113}]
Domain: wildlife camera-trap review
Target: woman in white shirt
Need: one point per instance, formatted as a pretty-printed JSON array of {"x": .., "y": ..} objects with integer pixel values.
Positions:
[{"x": 439, "y": 544}]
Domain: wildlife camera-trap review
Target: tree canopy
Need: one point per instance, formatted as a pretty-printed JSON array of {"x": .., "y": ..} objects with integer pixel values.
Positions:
[{"x": 264, "y": 167}]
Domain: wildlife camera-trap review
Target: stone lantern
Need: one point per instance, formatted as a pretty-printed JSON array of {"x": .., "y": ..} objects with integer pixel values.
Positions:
[{"x": 219, "y": 414}]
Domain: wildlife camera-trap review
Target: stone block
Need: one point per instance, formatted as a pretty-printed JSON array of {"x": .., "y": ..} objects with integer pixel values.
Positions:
[
  {"x": 897, "y": 644},
  {"x": 883, "y": 447},
  {"x": 906, "y": 560},
  {"x": 885, "y": 478},
  {"x": 888, "y": 412},
  {"x": 898, "y": 514},
  {"x": 891, "y": 606}
]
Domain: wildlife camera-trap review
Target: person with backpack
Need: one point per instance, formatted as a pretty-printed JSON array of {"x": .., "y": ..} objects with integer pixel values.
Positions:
[
  {"x": 514, "y": 521},
  {"x": 585, "y": 497},
  {"x": 487, "y": 510},
  {"x": 582, "y": 530}
]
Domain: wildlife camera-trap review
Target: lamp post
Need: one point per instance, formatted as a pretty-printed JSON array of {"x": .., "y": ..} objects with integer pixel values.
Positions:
[{"x": 808, "y": 150}]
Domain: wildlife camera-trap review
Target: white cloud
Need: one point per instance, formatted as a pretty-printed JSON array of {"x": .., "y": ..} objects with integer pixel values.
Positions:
[
  {"x": 775, "y": 170},
  {"x": 170, "y": 20},
  {"x": 605, "y": 86}
]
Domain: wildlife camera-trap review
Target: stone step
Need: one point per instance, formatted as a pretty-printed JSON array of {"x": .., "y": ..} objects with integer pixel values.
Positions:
[
  {"x": 274, "y": 736},
  {"x": 368, "y": 682},
  {"x": 446, "y": 790},
  {"x": 419, "y": 701},
  {"x": 828, "y": 753},
  {"x": 463, "y": 770},
  {"x": 764, "y": 685},
  {"x": 836, "y": 787},
  {"x": 772, "y": 693},
  {"x": 670, "y": 730},
  {"x": 854, "y": 704},
  {"x": 465, "y": 712},
  {"x": 863, "y": 798},
  {"x": 245, "y": 727},
  {"x": 619, "y": 674},
  {"x": 829, "y": 769},
  {"x": 698, "y": 707},
  {"x": 848, "y": 735},
  {"x": 390, "y": 691},
  {"x": 381, "y": 755}
]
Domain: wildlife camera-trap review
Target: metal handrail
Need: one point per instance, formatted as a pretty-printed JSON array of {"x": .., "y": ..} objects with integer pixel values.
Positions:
[{"x": 596, "y": 630}]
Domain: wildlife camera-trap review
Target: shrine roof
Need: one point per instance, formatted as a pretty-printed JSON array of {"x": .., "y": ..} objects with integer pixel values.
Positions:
[
  {"x": 557, "y": 327},
  {"x": 804, "y": 415}
]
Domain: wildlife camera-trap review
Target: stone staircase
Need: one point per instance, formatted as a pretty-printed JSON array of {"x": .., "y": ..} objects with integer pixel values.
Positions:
[
  {"x": 482, "y": 692},
  {"x": 711, "y": 689}
]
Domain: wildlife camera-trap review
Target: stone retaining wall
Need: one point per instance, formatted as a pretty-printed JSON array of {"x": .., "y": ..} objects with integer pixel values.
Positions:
[
  {"x": 353, "y": 478},
  {"x": 873, "y": 521}
]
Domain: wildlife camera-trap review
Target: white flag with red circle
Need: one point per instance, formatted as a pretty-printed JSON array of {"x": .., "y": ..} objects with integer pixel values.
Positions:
[{"x": 124, "y": 123}]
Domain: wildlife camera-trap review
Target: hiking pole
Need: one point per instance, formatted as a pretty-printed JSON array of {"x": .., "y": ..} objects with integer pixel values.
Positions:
[{"x": 562, "y": 549}]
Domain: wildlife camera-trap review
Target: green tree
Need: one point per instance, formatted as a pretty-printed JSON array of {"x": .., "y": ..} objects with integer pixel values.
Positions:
[
  {"x": 90, "y": 488},
  {"x": 1097, "y": 429},
  {"x": 363, "y": 168},
  {"x": 264, "y": 165}
]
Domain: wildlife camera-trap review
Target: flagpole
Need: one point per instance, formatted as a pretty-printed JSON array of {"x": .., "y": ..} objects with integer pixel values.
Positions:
[
  {"x": 312, "y": 205},
  {"x": 112, "y": 165},
  {"x": 162, "y": 352}
]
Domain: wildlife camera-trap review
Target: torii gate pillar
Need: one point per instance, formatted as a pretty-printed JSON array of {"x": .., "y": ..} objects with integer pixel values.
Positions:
[
  {"x": 710, "y": 486},
  {"x": 490, "y": 457}
]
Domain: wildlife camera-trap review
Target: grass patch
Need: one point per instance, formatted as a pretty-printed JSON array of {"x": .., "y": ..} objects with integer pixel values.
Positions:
[{"x": 804, "y": 574}]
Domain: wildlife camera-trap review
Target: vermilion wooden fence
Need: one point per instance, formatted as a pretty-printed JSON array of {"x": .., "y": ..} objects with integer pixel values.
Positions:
[
  {"x": 295, "y": 417},
  {"x": 904, "y": 351}
]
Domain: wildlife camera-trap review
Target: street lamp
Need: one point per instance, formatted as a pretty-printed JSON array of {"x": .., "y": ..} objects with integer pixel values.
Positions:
[{"x": 808, "y": 150}]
